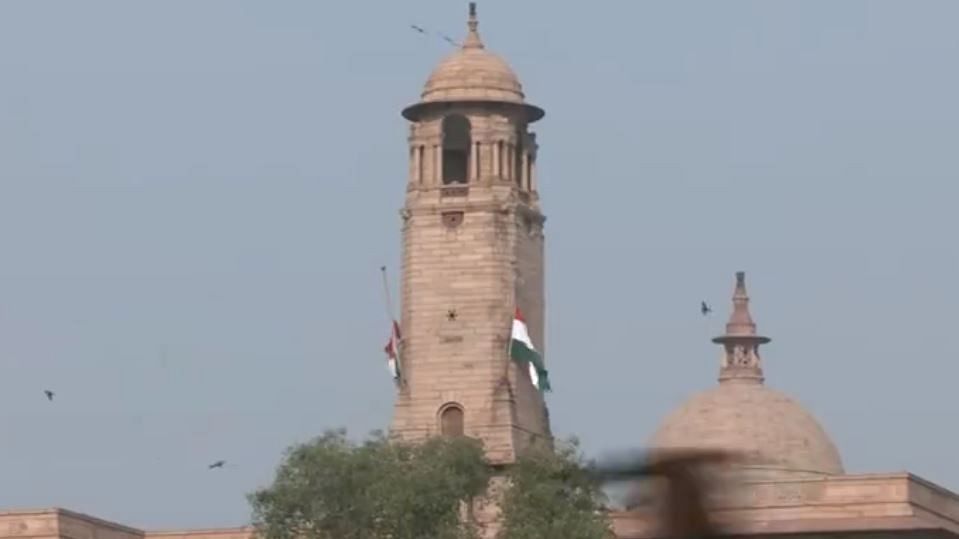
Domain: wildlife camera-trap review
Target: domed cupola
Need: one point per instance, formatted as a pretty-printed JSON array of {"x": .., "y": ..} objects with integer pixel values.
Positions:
[
  {"x": 472, "y": 74},
  {"x": 775, "y": 434}
]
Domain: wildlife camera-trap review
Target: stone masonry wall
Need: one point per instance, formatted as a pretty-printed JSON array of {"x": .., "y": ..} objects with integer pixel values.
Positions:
[{"x": 470, "y": 253}]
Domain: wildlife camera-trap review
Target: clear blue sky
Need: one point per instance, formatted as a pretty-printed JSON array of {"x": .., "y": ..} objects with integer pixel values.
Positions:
[{"x": 196, "y": 197}]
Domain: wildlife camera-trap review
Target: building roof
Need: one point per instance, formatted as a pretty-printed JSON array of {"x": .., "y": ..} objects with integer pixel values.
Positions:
[
  {"x": 57, "y": 523},
  {"x": 774, "y": 433},
  {"x": 869, "y": 506},
  {"x": 472, "y": 74}
]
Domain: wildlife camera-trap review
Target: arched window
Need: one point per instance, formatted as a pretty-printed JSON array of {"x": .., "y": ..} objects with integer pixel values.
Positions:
[
  {"x": 451, "y": 420},
  {"x": 456, "y": 149}
]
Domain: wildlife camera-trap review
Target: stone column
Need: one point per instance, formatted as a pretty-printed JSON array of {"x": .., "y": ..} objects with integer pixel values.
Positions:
[
  {"x": 525, "y": 172},
  {"x": 418, "y": 164},
  {"x": 474, "y": 163},
  {"x": 437, "y": 164},
  {"x": 532, "y": 174},
  {"x": 411, "y": 165}
]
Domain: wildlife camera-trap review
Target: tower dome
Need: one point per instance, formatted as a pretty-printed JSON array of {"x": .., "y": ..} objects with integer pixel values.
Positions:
[
  {"x": 775, "y": 435},
  {"x": 472, "y": 74}
]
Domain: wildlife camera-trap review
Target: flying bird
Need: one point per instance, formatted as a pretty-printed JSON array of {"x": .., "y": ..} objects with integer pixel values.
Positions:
[
  {"x": 49, "y": 394},
  {"x": 704, "y": 308},
  {"x": 425, "y": 32},
  {"x": 217, "y": 464}
]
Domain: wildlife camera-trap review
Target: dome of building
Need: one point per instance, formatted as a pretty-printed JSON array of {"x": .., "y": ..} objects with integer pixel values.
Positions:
[
  {"x": 771, "y": 430},
  {"x": 473, "y": 74},
  {"x": 773, "y": 433}
]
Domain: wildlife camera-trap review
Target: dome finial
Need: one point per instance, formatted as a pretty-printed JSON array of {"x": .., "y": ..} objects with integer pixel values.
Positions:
[
  {"x": 740, "y": 322},
  {"x": 473, "y": 40},
  {"x": 741, "y": 358}
]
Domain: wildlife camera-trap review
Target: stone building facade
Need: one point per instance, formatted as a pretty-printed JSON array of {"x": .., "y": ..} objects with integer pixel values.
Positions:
[{"x": 473, "y": 249}]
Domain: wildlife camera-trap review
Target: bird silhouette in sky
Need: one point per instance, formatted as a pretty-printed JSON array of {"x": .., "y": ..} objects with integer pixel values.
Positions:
[
  {"x": 704, "y": 308},
  {"x": 49, "y": 394},
  {"x": 425, "y": 32},
  {"x": 217, "y": 464}
]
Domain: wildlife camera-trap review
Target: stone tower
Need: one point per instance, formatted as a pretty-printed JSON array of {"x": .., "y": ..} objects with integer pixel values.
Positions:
[{"x": 472, "y": 254}]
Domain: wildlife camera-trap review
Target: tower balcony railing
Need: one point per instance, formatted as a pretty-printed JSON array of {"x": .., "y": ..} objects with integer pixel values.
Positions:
[{"x": 454, "y": 191}]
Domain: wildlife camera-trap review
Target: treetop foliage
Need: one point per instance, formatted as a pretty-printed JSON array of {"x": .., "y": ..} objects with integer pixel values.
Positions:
[
  {"x": 552, "y": 496},
  {"x": 335, "y": 488}
]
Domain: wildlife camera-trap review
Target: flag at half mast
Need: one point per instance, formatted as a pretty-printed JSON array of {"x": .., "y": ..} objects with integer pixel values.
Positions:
[
  {"x": 522, "y": 351},
  {"x": 392, "y": 350}
]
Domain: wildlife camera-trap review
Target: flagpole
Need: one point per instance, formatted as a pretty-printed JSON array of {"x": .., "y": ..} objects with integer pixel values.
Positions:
[
  {"x": 509, "y": 343},
  {"x": 394, "y": 330},
  {"x": 386, "y": 295},
  {"x": 511, "y": 304}
]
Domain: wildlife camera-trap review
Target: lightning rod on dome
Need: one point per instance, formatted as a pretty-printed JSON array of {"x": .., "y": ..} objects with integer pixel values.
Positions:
[{"x": 473, "y": 40}]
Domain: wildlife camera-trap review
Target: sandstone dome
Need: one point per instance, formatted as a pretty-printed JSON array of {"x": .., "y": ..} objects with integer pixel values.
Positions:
[
  {"x": 472, "y": 74},
  {"x": 774, "y": 434}
]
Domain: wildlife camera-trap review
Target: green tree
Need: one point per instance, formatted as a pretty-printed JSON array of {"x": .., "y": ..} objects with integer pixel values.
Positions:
[
  {"x": 333, "y": 488},
  {"x": 552, "y": 497}
]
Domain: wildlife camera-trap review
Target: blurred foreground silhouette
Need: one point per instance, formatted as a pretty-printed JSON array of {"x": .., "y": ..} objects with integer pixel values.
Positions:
[{"x": 685, "y": 480}]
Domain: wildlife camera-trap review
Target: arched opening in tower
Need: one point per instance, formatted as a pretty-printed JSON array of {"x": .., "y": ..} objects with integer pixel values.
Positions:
[
  {"x": 456, "y": 149},
  {"x": 518, "y": 162},
  {"x": 451, "y": 421}
]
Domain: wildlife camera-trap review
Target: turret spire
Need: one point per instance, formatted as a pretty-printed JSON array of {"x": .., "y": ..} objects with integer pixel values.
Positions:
[
  {"x": 473, "y": 40},
  {"x": 741, "y": 360}
]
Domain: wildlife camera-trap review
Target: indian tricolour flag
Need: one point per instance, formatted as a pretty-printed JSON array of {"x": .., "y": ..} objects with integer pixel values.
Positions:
[
  {"x": 522, "y": 351},
  {"x": 392, "y": 350}
]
